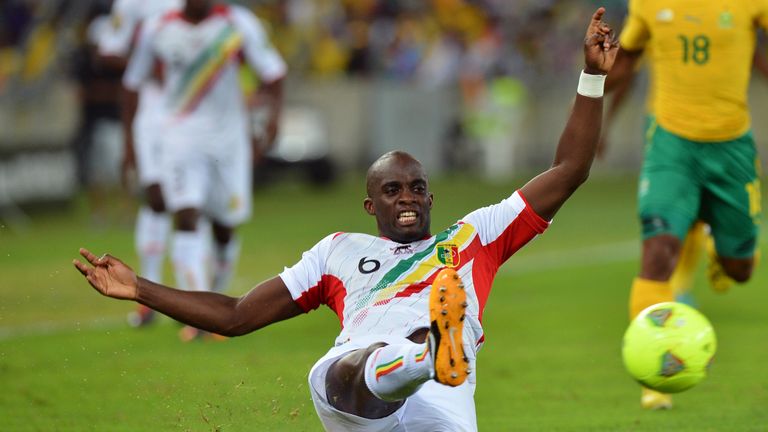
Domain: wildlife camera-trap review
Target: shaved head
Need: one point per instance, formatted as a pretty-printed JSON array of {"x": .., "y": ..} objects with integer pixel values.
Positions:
[
  {"x": 399, "y": 197},
  {"x": 385, "y": 164}
]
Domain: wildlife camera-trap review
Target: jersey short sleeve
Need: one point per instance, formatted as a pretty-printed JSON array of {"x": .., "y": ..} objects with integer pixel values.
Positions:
[
  {"x": 143, "y": 57},
  {"x": 635, "y": 33},
  {"x": 125, "y": 20},
  {"x": 507, "y": 226},
  {"x": 258, "y": 52},
  {"x": 308, "y": 282}
]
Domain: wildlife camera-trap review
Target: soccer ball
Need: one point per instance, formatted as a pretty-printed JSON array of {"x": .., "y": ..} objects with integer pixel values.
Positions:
[{"x": 669, "y": 347}]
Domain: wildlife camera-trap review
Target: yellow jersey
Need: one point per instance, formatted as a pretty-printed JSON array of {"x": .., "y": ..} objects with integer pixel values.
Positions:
[{"x": 701, "y": 58}]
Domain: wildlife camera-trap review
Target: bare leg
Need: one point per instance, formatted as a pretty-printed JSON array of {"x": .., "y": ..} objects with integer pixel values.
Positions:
[{"x": 346, "y": 389}]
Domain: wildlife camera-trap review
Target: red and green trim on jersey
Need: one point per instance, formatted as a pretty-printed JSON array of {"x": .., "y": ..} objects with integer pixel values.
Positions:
[
  {"x": 403, "y": 266},
  {"x": 485, "y": 259}
]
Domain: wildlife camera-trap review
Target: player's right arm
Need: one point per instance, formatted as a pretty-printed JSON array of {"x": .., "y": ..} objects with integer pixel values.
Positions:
[
  {"x": 619, "y": 84},
  {"x": 760, "y": 58},
  {"x": 267, "y": 303},
  {"x": 263, "y": 58},
  {"x": 634, "y": 36},
  {"x": 138, "y": 71}
]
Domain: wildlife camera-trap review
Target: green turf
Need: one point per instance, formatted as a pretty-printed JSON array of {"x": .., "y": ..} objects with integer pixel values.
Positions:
[{"x": 553, "y": 324}]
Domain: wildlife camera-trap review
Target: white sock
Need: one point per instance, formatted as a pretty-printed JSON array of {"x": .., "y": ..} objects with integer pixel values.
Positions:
[
  {"x": 225, "y": 259},
  {"x": 189, "y": 254},
  {"x": 394, "y": 372},
  {"x": 152, "y": 230}
]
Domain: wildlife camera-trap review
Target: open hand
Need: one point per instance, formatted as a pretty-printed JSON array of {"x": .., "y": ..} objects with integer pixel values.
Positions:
[
  {"x": 108, "y": 275},
  {"x": 600, "y": 45}
]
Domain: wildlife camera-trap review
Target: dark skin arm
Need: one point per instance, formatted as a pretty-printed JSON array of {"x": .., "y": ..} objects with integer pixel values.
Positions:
[
  {"x": 575, "y": 152},
  {"x": 114, "y": 61},
  {"x": 267, "y": 303},
  {"x": 130, "y": 104},
  {"x": 269, "y": 95},
  {"x": 619, "y": 84},
  {"x": 761, "y": 62}
]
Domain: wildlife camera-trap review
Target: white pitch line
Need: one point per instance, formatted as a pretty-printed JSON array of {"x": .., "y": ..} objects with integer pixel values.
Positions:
[
  {"x": 570, "y": 258},
  {"x": 595, "y": 255},
  {"x": 530, "y": 263}
]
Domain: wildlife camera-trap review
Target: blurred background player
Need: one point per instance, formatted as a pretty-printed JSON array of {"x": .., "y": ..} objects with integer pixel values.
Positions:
[
  {"x": 207, "y": 154},
  {"x": 98, "y": 92},
  {"x": 700, "y": 157},
  {"x": 142, "y": 150}
]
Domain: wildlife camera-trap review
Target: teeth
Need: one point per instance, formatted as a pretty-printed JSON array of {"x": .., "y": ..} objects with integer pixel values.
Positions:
[{"x": 407, "y": 216}]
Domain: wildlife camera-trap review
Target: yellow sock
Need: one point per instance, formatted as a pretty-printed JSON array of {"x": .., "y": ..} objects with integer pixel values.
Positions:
[
  {"x": 646, "y": 292},
  {"x": 682, "y": 278}
]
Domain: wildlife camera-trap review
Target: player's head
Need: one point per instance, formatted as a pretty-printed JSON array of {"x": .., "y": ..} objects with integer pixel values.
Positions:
[{"x": 399, "y": 197}]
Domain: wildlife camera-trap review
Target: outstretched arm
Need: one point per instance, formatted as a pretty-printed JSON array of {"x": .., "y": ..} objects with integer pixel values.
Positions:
[
  {"x": 760, "y": 61},
  {"x": 576, "y": 150},
  {"x": 619, "y": 83},
  {"x": 267, "y": 303}
]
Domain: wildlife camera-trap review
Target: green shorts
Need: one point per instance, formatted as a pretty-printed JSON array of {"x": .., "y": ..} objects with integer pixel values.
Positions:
[{"x": 717, "y": 182}]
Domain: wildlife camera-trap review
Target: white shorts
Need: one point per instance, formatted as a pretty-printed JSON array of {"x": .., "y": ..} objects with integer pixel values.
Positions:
[
  {"x": 433, "y": 408},
  {"x": 219, "y": 185},
  {"x": 147, "y": 147}
]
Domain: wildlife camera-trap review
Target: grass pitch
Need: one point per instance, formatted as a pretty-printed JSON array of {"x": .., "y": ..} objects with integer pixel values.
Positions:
[{"x": 551, "y": 362}]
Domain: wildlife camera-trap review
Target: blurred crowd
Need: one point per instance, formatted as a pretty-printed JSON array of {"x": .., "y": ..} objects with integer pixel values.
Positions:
[
  {"x": 489, "y": 55},
  {"x": 431, "y": 42},
  {"x": 434, "y": 43}
]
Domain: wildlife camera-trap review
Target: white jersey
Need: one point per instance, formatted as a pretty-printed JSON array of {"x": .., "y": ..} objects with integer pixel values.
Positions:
[
  {"x": 127, "y": 17},
  {"x": 379, "y": 287},
  {"x": 203, "y": 100}
]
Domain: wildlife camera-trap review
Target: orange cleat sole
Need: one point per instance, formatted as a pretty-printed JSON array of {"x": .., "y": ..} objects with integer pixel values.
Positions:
[{"x": 447, "y": 308}]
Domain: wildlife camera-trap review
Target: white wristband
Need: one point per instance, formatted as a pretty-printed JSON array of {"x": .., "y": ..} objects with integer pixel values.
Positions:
[{"x": 591, "y": 85}]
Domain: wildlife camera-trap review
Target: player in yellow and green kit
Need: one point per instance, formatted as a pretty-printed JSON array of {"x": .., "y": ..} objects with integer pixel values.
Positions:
[{"x": 700, "y": 157}]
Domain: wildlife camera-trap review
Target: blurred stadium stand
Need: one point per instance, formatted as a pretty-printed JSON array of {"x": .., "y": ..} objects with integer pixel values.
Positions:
[{"x": 479, "y": 85}]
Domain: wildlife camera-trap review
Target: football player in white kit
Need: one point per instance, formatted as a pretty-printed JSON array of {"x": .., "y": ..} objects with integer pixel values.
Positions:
[
  {"x": 207, "y": 155},
  {"x": 405, "y": 351},
  {"x": 142, "y": 151}
]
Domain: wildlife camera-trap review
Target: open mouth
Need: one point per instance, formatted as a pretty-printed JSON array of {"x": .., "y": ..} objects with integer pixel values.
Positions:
[{"x": 408, "y": 217}]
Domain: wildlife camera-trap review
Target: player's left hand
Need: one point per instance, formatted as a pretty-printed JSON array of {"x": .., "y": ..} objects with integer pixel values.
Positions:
[{"x": 600, "y": 45}]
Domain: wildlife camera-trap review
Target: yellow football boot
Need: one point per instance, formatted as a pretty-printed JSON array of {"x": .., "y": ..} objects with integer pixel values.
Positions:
[{"x": 653, "y": 400}]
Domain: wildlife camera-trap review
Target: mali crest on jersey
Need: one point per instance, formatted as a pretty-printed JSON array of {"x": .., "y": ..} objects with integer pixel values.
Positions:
[{"x": 448, "y": 254}]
